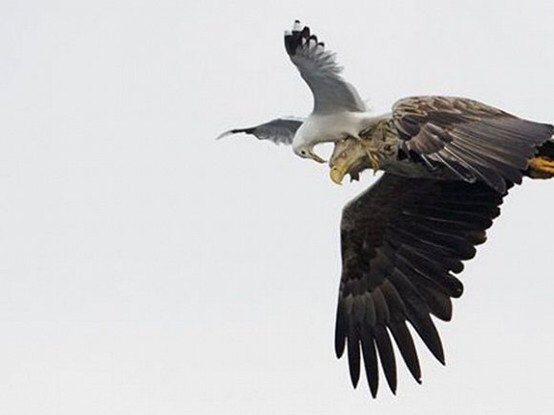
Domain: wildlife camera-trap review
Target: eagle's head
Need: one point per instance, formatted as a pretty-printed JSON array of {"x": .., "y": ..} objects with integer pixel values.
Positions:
[{"x": 349, "y": 157}]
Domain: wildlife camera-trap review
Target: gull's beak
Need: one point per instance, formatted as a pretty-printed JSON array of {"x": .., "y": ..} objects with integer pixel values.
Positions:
[
  {"x": 346, "y": 156},
  {"x": 317, "y": 158}
]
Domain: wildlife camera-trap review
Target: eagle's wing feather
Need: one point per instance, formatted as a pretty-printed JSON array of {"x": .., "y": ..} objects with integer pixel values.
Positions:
[
  {"x": 279, "y": 130},
  {"x": 319, "y": 69},
  {"x": 478, "y": 142},
  {"x": 401, "y": 240}
]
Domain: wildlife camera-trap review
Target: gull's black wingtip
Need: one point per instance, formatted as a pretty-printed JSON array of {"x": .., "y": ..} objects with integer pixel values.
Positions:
[
  {"x": 299, "y": 36},
  {"x": 235, "y": 131}
]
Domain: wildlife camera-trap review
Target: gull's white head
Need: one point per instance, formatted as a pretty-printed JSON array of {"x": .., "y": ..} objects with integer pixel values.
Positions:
[{"x": 305, "y": 150}]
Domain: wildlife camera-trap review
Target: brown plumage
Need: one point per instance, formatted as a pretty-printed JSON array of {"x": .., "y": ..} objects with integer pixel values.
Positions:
[
  {"x": 401, "y": 240},
  {"x": 449, "y": 162}
]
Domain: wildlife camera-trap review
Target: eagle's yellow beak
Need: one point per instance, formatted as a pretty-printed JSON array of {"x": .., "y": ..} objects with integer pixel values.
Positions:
[
  {"x": 346, "y": 155},
  {"x": 337, "y": 174}
]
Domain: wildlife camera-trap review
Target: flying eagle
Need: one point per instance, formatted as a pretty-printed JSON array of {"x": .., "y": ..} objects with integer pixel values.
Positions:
[{"x": 448, "y": 164}]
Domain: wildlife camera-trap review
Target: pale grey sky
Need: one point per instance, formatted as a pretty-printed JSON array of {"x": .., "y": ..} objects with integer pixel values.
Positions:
[{"x": 146, "y": 268}]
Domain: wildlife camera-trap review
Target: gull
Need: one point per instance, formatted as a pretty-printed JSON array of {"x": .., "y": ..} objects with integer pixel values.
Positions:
[{"x": 338, "y": 111}]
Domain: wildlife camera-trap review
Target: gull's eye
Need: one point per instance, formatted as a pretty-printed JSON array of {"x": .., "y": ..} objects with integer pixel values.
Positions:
[{"x": 303, "y": 152}]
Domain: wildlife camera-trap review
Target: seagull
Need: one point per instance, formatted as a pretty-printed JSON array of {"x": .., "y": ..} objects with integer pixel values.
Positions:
[
  {"x": 448, "y": 164},
  {"x": 338, "y": 110}
]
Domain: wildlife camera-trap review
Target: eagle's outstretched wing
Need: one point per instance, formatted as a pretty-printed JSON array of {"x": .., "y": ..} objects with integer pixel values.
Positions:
[
  {"x": 401, "y": 241},
  {"x": 279, "y": 130},
  {"x": 319, "y": 69},
  {"x": 476, "y": 141}
]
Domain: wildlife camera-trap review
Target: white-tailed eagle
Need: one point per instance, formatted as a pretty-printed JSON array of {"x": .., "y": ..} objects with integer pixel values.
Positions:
[{"x": 448, "y": 163}]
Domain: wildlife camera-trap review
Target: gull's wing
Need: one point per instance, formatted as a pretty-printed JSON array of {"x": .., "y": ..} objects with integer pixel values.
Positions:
[
  {"x": 401, "y": 241},
  {"x": 279, "y": 130},
  {"x": 476, "y": 141},
  {"x": 319, "y": 69}
]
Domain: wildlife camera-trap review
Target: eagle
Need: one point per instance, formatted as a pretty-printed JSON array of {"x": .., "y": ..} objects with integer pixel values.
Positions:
[{"x": 448, "y": 164}]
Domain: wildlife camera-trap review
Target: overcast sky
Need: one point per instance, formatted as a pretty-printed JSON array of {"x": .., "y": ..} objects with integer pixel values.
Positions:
[{"x": 146, "y": 268}]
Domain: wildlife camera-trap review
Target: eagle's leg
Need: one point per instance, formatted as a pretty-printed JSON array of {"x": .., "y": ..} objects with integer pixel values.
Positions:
[{"x": 541, "y": 167}]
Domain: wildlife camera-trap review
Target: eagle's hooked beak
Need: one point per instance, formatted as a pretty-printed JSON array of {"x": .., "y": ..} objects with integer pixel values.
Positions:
[
  {"x": 346, "y": 156},
  {"x": 337, "y": 174}
]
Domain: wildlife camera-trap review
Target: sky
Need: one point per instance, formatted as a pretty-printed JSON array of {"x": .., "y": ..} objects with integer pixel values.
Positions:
[{"x": 146, "y": 268}]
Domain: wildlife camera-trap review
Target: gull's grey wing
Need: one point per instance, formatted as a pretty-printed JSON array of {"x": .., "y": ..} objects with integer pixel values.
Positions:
[
  {"x": 401, "y": 240},
  {"x": 476, "y": 141},
  {"x": 319, "y": 69},
  {"x": 279, "y": 130}
]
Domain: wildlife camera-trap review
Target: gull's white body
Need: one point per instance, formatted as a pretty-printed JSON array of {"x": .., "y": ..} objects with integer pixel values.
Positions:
[{"x": 322, "y": 128}]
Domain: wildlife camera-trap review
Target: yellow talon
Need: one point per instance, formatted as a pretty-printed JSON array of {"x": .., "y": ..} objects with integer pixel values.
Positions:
[{"x": 541, "y": 167}]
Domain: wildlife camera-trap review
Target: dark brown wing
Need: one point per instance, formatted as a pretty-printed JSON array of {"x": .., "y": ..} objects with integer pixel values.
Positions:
[
  {"x": 401, "y": 241},
  {"x": 476, "y": 141}
]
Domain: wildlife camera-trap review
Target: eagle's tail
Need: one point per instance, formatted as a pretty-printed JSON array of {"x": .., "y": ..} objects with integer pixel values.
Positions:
[{"x": 542, "y": 165}]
